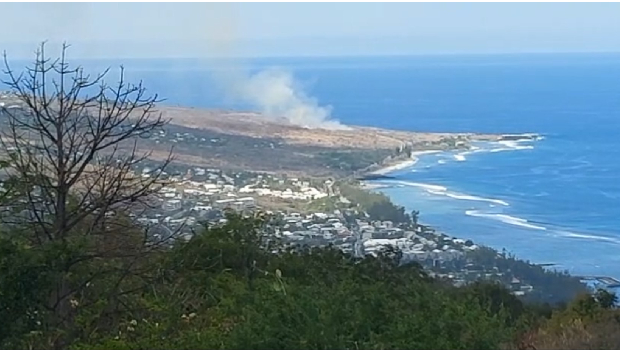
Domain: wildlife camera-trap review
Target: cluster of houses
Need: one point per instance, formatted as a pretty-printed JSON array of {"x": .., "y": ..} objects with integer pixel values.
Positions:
[
  {"x": 361, "y": 236},
  {"x": 198, "y": 195},
  {"x": 444, "y": 256},
  {"x": 165, "y": 136},
  {"x": 234, "y": 190},
  {"x": 194, "y": 194},
  {"x": 304, "y": 192},
  {"x": 9, "y": 101}
]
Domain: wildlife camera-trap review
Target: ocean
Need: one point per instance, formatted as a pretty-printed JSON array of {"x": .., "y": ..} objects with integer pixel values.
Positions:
[{"x": 556, "y": 200}]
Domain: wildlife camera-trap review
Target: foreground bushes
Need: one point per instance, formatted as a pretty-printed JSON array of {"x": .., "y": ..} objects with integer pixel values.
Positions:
[{"x": 225, "y": 289}]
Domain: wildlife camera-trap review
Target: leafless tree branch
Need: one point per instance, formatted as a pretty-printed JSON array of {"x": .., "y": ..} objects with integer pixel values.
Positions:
[{"x": 71, "y": 150}]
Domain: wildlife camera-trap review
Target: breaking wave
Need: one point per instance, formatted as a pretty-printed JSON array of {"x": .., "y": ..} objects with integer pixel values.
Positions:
[
  {"x": 460, "y": 157},
  {"x": 506, "y": 219},
  {"x": 492, "y": 147},
  {"x": 443, "y": 191},
  {"x": 590, "y": 237},
  {"x": 513, "y": 146},
  {"x": 512, "y": 220}
]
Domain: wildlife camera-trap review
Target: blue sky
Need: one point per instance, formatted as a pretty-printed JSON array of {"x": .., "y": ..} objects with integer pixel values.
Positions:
[{"x": 301, "y": 29}]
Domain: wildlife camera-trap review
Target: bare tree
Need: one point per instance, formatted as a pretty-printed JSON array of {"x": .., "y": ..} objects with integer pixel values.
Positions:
[{"x": 72, "y": 147}]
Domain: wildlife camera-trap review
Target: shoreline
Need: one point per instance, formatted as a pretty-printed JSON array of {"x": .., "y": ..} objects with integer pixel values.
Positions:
[
  {"x": 402, "y": 164},
  {"x": 372, "y": 184},
  {"x": 392, "y": 165}
]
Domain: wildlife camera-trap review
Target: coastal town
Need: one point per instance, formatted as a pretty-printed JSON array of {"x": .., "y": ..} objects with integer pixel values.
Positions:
[{"x": 196, "y": 196}]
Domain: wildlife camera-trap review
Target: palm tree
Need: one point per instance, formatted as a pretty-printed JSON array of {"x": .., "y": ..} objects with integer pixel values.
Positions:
[{"x": 415, "y": 215}]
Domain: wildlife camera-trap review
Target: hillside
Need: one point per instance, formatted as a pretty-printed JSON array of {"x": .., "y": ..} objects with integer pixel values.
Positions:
[
  {"x": 258, "y": 126},
  {"x": 251, "y": 142}
]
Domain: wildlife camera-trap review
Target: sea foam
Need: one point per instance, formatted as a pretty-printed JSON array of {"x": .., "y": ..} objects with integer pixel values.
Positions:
[
  {"x": 589, "y": 237},
  {"x": 506, "y": 219},
  {"x": 475, "y": 198},
  {"x": 421, "y": 185},
  {"x": 443, "y": 191},
  {"x": 512, "y": 145},
  {"x": 515, "y": 145},
  {"x": 460, "y": 157}
]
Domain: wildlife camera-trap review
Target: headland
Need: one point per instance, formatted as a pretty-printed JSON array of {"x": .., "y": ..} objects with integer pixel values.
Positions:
[{"x": 253, "y": 142}]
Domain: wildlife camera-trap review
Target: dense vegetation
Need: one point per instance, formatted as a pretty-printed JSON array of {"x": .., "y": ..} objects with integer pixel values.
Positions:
[
  {"x": 352, "y": 160},
  {"x": 227, "y": 288},
  {"x": 552, "y": 286},
  {"x": 377, "y": 205}
]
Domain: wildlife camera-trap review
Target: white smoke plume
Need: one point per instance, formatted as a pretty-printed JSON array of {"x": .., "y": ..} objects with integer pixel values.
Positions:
[
  {"x": 278, "y": 95},
  {"x": 273, "y": 91}
]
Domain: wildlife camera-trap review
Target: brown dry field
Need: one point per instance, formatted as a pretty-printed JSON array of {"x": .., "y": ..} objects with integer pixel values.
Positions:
[{"x": 255, "y": 125}]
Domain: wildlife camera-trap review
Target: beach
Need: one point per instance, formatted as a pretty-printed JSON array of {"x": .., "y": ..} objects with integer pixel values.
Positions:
[{"x": 402, "y": 164}]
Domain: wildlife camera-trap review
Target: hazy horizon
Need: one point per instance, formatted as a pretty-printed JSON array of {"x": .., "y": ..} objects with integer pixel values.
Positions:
[{"x": 199, "y": 30}]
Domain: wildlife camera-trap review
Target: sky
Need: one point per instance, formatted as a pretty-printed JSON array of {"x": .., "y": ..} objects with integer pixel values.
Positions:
[{"x": 137, "y": 30}]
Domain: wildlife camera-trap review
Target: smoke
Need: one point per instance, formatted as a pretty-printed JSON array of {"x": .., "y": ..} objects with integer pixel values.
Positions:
[
  {"x": 276, "y": 93},
  {"x": 273, "y": 91}
]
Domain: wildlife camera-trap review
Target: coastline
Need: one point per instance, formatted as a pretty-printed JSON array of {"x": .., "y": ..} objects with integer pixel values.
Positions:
[
  {"x": 403, "y": 164},
  {"x": 476, "y": 250},
  {"x": 373, "y": 181},
  {"x": 462, "y": 142},
  {"x": 509, "y": 140}
]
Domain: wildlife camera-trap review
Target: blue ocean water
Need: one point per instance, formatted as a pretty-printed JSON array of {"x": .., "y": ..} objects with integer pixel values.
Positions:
[{"x": 556, "y": 200}]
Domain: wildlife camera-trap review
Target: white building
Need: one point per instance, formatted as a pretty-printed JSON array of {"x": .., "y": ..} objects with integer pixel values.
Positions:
[{"x": 172, "y": 204}]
